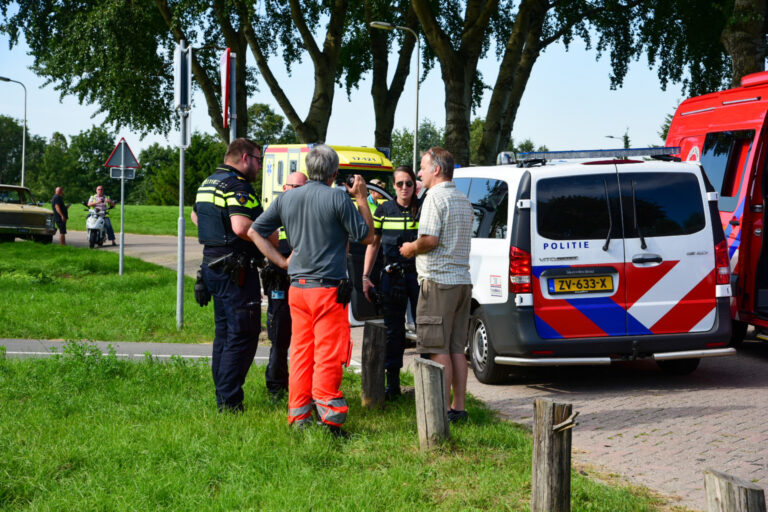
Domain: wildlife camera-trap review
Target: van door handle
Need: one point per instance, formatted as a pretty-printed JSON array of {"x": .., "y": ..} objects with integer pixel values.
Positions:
[
  {"x": 734, "y": 222},
  {"x": 647, "y": 258}
]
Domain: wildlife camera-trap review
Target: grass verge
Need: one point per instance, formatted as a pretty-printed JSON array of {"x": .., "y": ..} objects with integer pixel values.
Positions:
[
  {"x": 55, "y": 292},
  {"x": 139, "y": 219},
  {"x": 84, "y": 431}
]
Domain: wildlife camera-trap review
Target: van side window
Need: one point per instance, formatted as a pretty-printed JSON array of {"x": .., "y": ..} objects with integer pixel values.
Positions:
[
  {"x": 576, "y": 207},
  {"x": 668, "y": 203},
  {"x": 280, "y": 173},
  {"x": 724, "y": 159},
  {"x": 490, "y": 201},
  {"x": 293, "y": 165}
]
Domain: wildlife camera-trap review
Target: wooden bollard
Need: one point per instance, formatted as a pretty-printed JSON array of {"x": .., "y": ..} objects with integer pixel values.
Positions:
[
  {"x": 726, "y": 493},
  {"x": 431, "y": 417},
  {"x": 374, "y": 351},
  {"x": 551, "y": 471}
]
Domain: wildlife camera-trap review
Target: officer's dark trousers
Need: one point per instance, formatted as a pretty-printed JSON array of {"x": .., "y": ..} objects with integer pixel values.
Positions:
[
  {"x": 237, "y": 312},
  {"x": 394, "y": 316},
  {"x": 279, "y": 332}
]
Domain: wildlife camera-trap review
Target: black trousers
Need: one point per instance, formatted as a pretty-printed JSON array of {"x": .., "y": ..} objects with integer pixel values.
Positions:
[
  {"x": 279, "y": 332},
  {"x": 237, "y": 312}
]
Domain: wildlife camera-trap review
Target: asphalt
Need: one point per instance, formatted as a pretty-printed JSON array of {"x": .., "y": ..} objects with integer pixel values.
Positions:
[{"x": 648, "y": 428}]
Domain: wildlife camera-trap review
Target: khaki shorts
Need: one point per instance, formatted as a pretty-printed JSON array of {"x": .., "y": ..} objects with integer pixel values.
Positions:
[{"x": 442, "y": 317}]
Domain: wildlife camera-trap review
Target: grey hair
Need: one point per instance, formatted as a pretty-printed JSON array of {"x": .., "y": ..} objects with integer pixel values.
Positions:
[{"x": 322, "y": 163}]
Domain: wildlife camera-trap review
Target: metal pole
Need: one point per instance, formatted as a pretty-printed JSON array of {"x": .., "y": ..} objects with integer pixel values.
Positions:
[
  {"x": 181, "y": 226},
  {"x": 183, "y": 113},
  {"x": 416, "y": 124},
  {"x": 24, "y": 129},
  {"x": 232, "y": 98},
  {"x": 122, "y": 205}
]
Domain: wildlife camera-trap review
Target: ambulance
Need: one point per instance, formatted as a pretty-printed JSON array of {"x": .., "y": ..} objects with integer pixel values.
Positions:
[
  {"x": 371, "y": 163},
  {"x": 588, "y": 258},
  {"x": 726, "y": 133}
]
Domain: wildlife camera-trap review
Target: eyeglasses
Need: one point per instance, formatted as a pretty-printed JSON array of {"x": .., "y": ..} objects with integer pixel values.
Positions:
[
  {"x": 401, "y": 184},
  {"x": 292, "y": 185},
  {"x": 258, "y": 158}
]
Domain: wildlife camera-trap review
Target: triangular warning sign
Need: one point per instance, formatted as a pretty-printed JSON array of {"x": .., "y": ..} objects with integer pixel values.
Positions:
[{"x": 122, "y": 155}]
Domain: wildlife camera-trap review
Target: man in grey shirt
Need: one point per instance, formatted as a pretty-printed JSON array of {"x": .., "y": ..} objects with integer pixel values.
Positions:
[{"x": 318, "y": 222}]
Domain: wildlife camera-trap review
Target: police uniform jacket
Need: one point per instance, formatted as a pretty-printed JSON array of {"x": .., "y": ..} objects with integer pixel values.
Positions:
[
  {"x": 225, "y": 193},
  {"x": 395, "y": 225}
]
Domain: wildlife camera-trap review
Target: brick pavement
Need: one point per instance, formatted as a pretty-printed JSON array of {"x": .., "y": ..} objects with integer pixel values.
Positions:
[{"x": 655, "y": 430}]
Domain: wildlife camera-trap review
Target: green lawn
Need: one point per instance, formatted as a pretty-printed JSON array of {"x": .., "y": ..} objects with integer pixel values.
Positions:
[
  {"x": 55, "y": 292},
  {"x": 139, "y": 219},
  {"x": 84, "y": 431}
]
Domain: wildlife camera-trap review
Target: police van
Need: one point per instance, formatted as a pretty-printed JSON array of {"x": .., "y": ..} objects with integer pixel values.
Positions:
[
  {"x": 726, "y": 133},
  {"x": 371, "y": 163},
  {"x": 607, "y": 258}
]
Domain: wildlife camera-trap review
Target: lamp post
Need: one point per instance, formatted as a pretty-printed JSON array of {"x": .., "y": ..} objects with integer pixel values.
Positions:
[
  {"x": 24, "y": 132},
  {"x": 389, "y": 26},
  {"x": 624, "y": 138}
]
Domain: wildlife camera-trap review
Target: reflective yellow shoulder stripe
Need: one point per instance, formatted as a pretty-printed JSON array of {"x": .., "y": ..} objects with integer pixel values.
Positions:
[
  {"x": 210, "y": 197},
  {"x": 282, "y": 236},
  {"x": 398, "y": 225}
]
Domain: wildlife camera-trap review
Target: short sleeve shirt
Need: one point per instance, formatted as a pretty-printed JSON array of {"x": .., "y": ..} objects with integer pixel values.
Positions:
[
  {"x": 58, "y": 200},
  {"x": 318, "y": 222},
  {"x": 447, "y": 214},
  {"x": 395, "y": 225}
]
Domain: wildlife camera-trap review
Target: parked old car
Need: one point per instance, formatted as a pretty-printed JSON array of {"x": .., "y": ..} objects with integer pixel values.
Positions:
[{"x": 22, "y": 217}]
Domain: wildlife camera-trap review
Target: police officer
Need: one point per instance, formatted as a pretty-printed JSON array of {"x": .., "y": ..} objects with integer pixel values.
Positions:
[
  {"x": 225, "y": 207},
  {"x": 394, "y": 223},
  {"x": 276, "y": 285}
]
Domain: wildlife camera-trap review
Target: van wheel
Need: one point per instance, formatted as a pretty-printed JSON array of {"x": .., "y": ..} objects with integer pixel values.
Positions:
[
  {"x": 481, "y": 351},
  {"x": 738, "y": 333},
  {"x": 679, "y": 366}
]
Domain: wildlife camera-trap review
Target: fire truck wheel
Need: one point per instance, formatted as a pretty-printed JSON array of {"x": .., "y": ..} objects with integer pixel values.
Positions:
[{"x": 679, "y": 366}]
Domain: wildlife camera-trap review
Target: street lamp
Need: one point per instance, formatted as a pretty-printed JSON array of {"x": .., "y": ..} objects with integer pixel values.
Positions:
[
  {"x": 24, "y": 132},
  {"x": 624, "y": 138},
  {"x": 389, "y": 26}
]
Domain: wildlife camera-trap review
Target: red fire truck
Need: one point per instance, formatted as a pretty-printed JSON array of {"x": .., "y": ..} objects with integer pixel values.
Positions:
[{"x": 727, "y": 132}]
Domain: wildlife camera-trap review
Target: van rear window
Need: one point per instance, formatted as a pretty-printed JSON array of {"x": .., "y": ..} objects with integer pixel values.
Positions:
[
  {"x": 490, "y": 201},
  {"x": 576, "y": 207},
  {"x": 724, "y": 159},
  {"x": 665, "y": 203}
]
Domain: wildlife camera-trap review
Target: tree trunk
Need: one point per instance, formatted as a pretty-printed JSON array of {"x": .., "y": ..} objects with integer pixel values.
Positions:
[
  {"x": 385, "y": 99},
  {"x": 744, "y": 38},
  {"x": 519, "y": 56},
  {"x": 458, "y": 106}
]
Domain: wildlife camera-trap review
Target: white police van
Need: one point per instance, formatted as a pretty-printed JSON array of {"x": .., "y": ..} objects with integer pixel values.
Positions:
[{"x": 607, "y": 258}]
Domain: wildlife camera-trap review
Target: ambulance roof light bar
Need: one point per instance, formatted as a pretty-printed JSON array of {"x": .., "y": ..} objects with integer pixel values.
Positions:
[{"x": 598, "y": 153}]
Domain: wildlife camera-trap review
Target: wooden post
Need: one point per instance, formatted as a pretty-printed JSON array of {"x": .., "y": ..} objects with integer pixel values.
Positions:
[
  {"x": 374, "y": 351},
  {"x": 551, "y": 471},
  {"x": 431, "y": 417},
  {"x": 726, "y": 493}
]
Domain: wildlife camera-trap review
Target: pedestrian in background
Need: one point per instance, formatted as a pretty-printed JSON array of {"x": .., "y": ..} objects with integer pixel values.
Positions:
[
  {"x": 376, "y": 198},
  {"x": 442, "y": 262},
  {"x": 276, "y": 285},
  {"x": 224, "y": 209},
  {"x": 319, "y": 221},
  {"x": 60, "y": 214},
  {"x": 395, "y": 222}
]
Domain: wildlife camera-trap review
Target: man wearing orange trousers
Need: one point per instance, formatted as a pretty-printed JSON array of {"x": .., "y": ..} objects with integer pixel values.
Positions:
[{"x": 318, "y": 221}]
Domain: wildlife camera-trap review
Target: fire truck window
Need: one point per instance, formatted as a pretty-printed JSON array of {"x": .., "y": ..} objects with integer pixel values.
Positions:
[
  {"x": 576, "y": 207},
  {"x": 724, "y": 159},
  {"x": 279, "y": 173},
  {"x": 668, "y": 204}
]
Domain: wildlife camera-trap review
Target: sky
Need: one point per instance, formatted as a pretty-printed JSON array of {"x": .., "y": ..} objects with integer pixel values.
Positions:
[{"x": 567, "y": 104}]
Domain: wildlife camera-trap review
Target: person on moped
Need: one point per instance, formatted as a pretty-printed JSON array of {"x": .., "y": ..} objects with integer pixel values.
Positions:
[
  {"x": 395, "y": 222},
  {"x": 101, "y": 203}
]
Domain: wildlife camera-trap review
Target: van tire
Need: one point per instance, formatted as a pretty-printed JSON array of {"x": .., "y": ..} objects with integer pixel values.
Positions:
[
  {"x": 738, "y": 333},
  {"x": 679, "y": 366},
  {"x": 481, "y": 352}
]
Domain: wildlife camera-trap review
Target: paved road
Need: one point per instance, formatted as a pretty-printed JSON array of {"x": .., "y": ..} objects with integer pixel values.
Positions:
[
  {"x": 159, "y": 249},
  {"x": 652, "y": 429}
]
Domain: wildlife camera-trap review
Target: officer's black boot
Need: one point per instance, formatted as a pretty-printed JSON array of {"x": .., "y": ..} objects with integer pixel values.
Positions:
[{"x": 392, "y": 391}]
